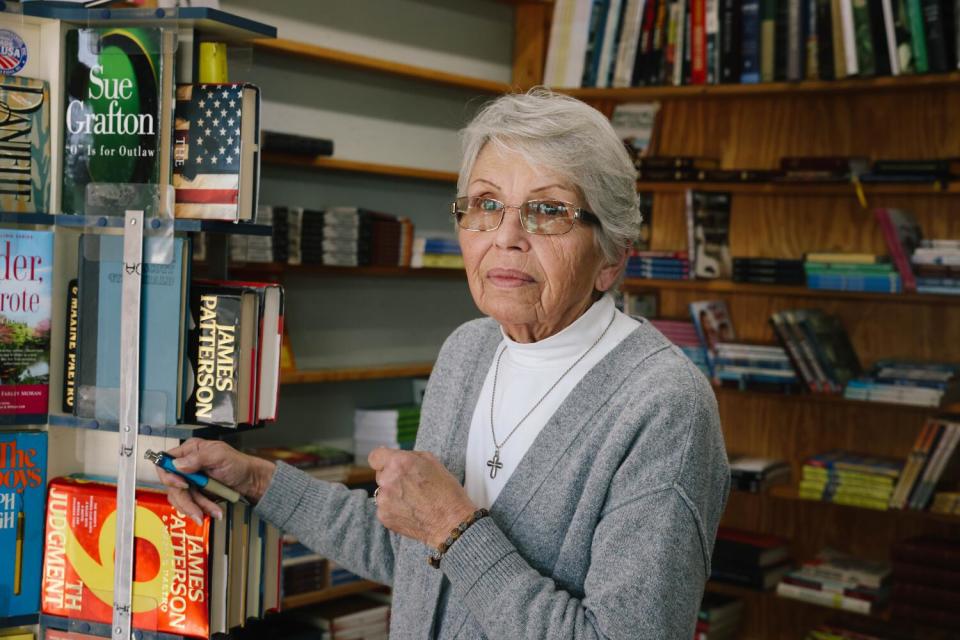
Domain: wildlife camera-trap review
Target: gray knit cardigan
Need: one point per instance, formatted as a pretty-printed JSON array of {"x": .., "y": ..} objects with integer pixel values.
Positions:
[{"x": 604, "y": 530}]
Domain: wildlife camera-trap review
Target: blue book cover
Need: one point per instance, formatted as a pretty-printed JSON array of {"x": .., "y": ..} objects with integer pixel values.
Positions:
[
  {"x": 161, "y": 330},
  {"x": 23, "y": 465},
  {"x": 750, "y": 44}
]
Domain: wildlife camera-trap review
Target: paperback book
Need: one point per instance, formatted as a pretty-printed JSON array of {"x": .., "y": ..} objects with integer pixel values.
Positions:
[{"x": 24, "y": 145}]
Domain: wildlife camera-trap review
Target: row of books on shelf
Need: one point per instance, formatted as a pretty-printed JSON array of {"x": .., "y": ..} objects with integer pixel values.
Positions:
[
  {"x": 624, "y": 43},
  {"x": 201, "y": 140},
  {"x": 815, "y": 354},
  {"x": 344, "y": 237},
  {"x": 912, "y": 263},
  {"x": 210, "y": 350},
  {"x": 193, "y": 578},
  {"x": 919, "y": 583},
  {"x": 798, "y": 170}
]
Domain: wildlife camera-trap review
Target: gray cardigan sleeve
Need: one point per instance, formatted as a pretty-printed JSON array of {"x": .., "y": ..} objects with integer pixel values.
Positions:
[
  {"x": 649, "y": 559},
  {"x": 332, "y": 520}
]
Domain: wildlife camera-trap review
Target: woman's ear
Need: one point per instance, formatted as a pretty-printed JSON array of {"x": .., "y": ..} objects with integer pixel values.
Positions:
[{"x": 610, "y": 272}]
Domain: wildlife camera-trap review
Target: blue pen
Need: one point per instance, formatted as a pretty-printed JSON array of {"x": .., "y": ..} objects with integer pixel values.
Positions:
[{"x": 199, "y": 479}]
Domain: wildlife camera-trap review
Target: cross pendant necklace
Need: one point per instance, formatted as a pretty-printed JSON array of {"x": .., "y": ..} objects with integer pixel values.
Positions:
[{"x": 494, "y": 464}]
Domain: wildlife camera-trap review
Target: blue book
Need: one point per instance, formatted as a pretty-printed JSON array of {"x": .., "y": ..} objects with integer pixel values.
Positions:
[
  {"x": 23, "y": 462},
  {"x": 750, "y": 44},
  {"x": 879, "y": 283},
  {"x": 162, "y": 329},
  {"x": 439, "y": 245}
]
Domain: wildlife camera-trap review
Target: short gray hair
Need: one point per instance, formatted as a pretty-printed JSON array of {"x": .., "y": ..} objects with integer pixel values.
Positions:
[{"x": 574, "y": 140}]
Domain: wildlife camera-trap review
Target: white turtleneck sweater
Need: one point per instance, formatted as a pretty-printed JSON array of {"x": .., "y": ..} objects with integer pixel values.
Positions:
[{"x": 527, "y": 370}]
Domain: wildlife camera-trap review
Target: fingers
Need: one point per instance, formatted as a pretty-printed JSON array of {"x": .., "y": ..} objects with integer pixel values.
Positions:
[
  {"x": 378, "y": 458},
  {"x": 171, "y": 479},
  {"x": 206, "y": 504},
  {"x": 182, "y": 500}
]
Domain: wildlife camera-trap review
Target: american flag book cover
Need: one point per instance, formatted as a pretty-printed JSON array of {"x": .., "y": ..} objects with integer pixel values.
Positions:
[{"x": 215, "y": 151}]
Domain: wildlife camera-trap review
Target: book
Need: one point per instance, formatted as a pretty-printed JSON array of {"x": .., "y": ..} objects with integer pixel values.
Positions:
[
  {"x": 712, "y": 321},
  {"x": 25, "y": 146},
  {"x": 216, "y": 170},
  {"x": 70, "y": 336},
  {"x": 293, "y": 144},
  {"x": 930, "y": 550},
  {"x": 162, "y": 332},
  {"x": 735, "y": 547},
  {"x": 902, "y": 233},
  {"x": 23, "y": 468},
  {"x": 708, "y": 218},
  {"x": 117, "y": 104},
  {"x": 830, "y": 564},
  {"x": 26, "y": 271},
  {"x": 170, "y": 575}
]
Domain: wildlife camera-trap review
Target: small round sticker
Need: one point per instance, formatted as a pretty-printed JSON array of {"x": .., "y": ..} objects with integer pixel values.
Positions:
[{"x": 13, "y": 52}]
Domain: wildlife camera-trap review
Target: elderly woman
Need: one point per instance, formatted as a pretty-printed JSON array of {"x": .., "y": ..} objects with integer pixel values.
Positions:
[{"x": 569, "y": 472}]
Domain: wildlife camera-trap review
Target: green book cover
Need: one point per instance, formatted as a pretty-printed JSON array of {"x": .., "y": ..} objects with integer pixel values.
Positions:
[
  {"x": 861, "y": 27},
  {"x": 24, "y": 145},
  {"x": 114, "y": 81}
]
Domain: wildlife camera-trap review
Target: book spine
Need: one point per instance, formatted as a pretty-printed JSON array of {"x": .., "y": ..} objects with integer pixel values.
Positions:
[
  {"x": 729, "y": 41},
  {"x": 698, "y": 42},
  {"x": 750, "y": 42},
  {"x": 627, "y": 48},
  {"x": 851, "y": 61},
  {"x": 864, "y": 38},
  {"x": 836, "y": 35},
  {"x": 890, "y": 35},
  {"x": 812, "y": 60},
  {"x": 935, "y": 40},
  {"x": 591, "y": 60},
  {"x": 795, "y": 48},
  {"x": 70, "y": 347},
  {"x": 825, "y": 42},
  {"x": 917, "y": 35}
]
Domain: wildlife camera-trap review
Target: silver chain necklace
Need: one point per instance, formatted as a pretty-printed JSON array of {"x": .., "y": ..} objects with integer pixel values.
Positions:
[{"x": 494, "y": 463}]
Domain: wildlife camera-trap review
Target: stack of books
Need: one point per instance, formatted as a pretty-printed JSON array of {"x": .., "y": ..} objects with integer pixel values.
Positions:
[
  {"x": 818, "y": 346},
  {"x": 751, "y": 366},
  {"x": 769, "y": 271},
  {"x": 838, "y": 580},
  {"x": 304, "y": 571},
  {"x": 362, "y": 617},
  {"x": 392, "y": 427},
  {"x": 263, "y": 249},
  {"x": 933, "y": 454},
  {"x": 843, "y": 477},
  {"x": 708, "y": 234},
  {"x": 713, "y": 323},
  {"x": 843, "y": 271},
  {"x": 684, "y": 334},
  {"x": 661, "y": 265},
  {"x": 822, "y": 168},
  {"x": 320, "y": 461},
  {"x": 924, "y": 384},
  {"x": 912, "y": 170},
  {"x": 757, "y": 474},
  {"x": 719, "y": 616},
  {"x": 753, "y": 560},
  {"x": 936, "y": 265},
  {"x": 946, "y": 502},
  {"x": 926, "y": 581},
  {"x": 437, "y": 250}
]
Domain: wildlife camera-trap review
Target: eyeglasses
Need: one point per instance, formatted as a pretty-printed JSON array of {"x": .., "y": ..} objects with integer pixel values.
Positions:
[{"x": 542, "y": 217}]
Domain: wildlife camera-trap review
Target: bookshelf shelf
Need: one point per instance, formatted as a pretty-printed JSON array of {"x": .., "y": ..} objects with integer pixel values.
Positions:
[
  {"x": 327, "y": 55},
  {"x": 178, "y": 431},
  {"x": 98, "y": 629},
  {"x": 787, "y": 492},
  {"x": 116, "y": 222},
  {"x": 276, "y": 268},
  {"x": 835, "y": 399},
  {"x": 26, "y": 218},
  {"x": 813, "y": 189},
  {"x": 356, "y": 373},
  {"x": 886, "y": 84},
  {"x": 324, "y": 163},
  {"x": 214, "y": 22},
  {"x": 330, "y": 593},
  {"x": 748, "y": 289}
]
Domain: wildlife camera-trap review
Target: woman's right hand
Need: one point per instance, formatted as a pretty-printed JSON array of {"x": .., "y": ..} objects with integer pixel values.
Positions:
[{"x": 248, "y": 475}]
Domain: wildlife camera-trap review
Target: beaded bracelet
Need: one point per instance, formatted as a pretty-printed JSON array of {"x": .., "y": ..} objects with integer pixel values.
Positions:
[{"x": 435, "y": 557}]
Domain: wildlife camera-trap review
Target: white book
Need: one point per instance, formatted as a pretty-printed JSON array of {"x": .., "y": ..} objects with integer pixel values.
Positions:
[
  {"x": 888, "y": 27},
  {"x": 607, "y": 56},
  {"x": 579, "y": 39},
  {"x": 629, "y": 39},
  {"x": 678, "y": 48},
  {"x": 849, "y": 37},
  {"x": 559, "y": 46},
  {"x": 824, "y": 598}
]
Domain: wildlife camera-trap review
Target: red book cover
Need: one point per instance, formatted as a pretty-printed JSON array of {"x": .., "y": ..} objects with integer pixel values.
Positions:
[
  {"x": 171, "y": 580},
  {"x": 698, "y": 41}
]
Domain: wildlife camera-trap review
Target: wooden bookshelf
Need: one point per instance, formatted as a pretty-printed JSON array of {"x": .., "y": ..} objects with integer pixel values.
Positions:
[
  {"x": 788, "y": 492},
  {"x": 345, "y": 374},
  {"x": 731, "y": 288},
  {"x": 788, "y": 90},
  {"x": 326, "y": 55},
  {"x": 330, "y": 593},
  {"x": 324, "y": 163}
]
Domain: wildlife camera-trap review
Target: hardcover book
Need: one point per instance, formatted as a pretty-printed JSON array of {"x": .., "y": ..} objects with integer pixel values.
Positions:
[
  {"x": 171, "y": 555},
  {"x": 23, "y": 467},
  {"x": 24, "y": 145},
  {"x": 117, "y": 104},
  {"x": 26, "y": 259},
  {"x": 162, "y": 330},
  {"x": 216, "y": 151}
]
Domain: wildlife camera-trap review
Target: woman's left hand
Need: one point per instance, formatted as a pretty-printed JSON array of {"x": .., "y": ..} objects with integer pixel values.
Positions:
[{"x": 418, "y": 498}]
